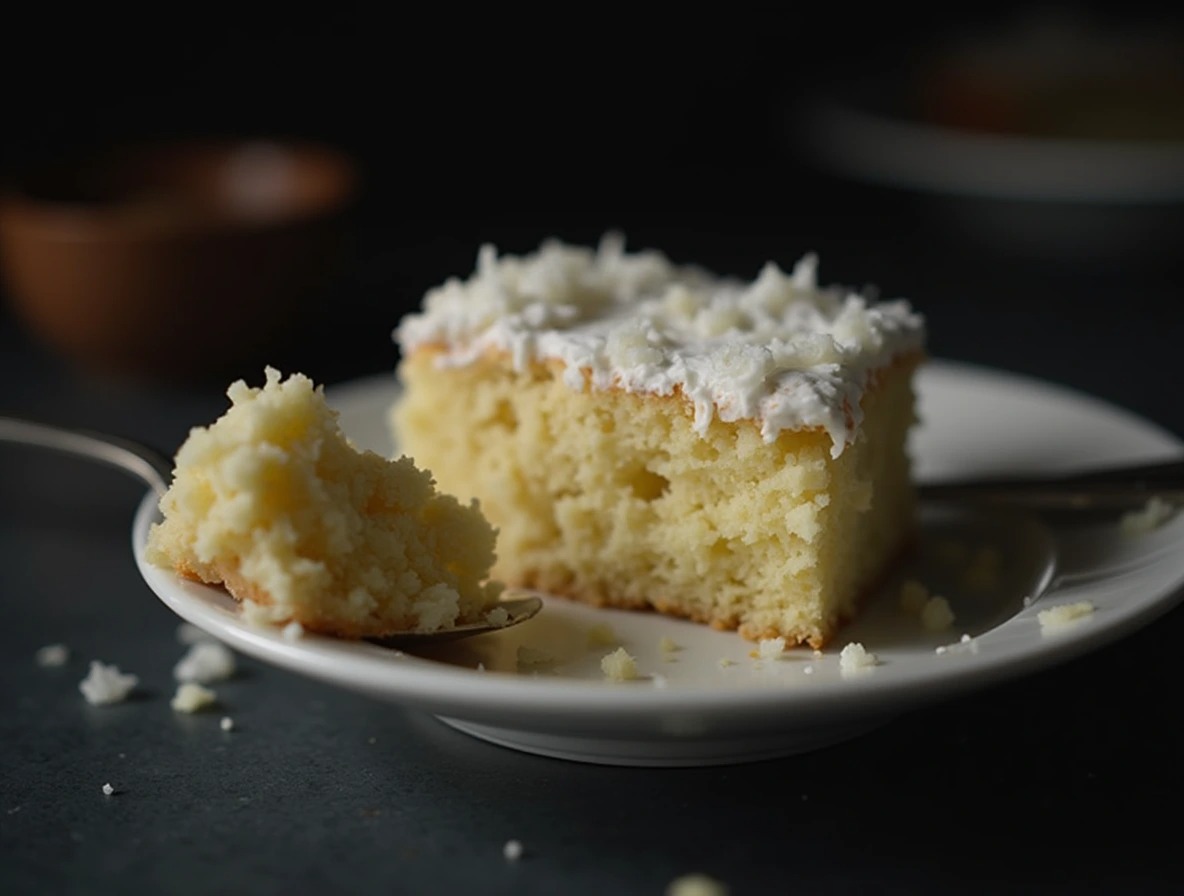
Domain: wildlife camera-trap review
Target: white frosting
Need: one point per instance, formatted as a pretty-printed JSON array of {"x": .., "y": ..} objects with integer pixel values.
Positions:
[{"x": 780, "y": 350}]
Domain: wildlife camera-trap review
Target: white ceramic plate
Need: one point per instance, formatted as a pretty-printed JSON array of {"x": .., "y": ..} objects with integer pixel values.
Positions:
[{"x": 710, "y": 701}]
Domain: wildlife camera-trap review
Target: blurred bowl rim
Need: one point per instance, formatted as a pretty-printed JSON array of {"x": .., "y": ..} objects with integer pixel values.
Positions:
[
  {"x": 839, "y": 135},
  {"x": 22, "y": 207}
]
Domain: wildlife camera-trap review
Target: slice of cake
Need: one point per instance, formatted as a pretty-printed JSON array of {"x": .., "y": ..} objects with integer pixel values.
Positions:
[
  {"x": 648, "y": 435},
  {"x": 272, "y": 502}
]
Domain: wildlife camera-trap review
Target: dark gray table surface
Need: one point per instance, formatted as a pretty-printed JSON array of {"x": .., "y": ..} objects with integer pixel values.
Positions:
[{"x": 1066, "y": 781}]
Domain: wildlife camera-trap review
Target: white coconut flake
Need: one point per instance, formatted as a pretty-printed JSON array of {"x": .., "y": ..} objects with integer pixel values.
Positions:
[
  {"x": 965, "y": 644},
  {"x": 1063, "y": 616},
  {"x": 192, "y": 697},
  {"x": 105, "y": 684},
  {"x": 108, "y": 790},
  {"x": 205, "y": 661},
  {"x": 293, "y": 631},
  {"x": 498, "y": 616},
  {"x": 1151, "y": 516},
  {"x": 854, "y": 659},
  {"x": 619, "y": 665},
  {"x": 513, "y": 850},
  {"x": 770, "y": 648},
  {"x": 226, "y": 724},
  {"x": 53, "y": 655}
]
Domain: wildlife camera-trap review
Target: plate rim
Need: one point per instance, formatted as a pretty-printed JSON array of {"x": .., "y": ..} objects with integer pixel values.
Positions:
[{"x": 465, "y": 693}]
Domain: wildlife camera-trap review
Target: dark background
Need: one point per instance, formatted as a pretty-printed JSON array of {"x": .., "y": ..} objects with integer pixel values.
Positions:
[
  {"x": 495, "y": 126},
  {"x": 491, "y": 126}
]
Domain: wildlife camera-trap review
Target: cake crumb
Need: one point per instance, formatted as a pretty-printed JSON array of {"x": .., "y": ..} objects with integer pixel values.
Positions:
[
  {"x": 769, "y": 649},
  {"x": 1151, "y": 516},
  {"x": 498, "y": 616},
  {"x": 913, "y": 596},
  {"x": 965, "y": 644},
  {"x": 696, "y": 885},
  {"x": 205, "y": 661},
  {"x": 53, "y": 655},
  {"x": 619, "y": 665},
  {"x": 659, "y": 682},
  {"x": 602, "y": 635},
  {"x": 480, "y": 667},
  {"x": 808, "y": 669},
  {"x": 105, "y": 684},
  {"x": 1063, "y": 615},
  {"x": 293, "y": 631},
  {"x": 936, "y": 615},
  {"x": 854, "y": 659},
  {"x": 108, "y": 790},
  {"x": 513, "y": 850},
  {"x": 724, "y": 662},
  {"x": 227, "y": 723},
  {"x": 274, "y": 502},
  {"x": 192, "y": 697},
  {"x": 260, "y": 615},
  {"x": 668, "y": 647}
]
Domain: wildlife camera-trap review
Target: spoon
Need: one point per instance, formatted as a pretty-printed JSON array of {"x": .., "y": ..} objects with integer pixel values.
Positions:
[
  {"x": 1106, "y": 488},
  {"x": 156, "y": 469}
]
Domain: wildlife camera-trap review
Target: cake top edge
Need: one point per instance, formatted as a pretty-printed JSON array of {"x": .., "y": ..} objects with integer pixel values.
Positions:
[{"x": 779, "y": 349}]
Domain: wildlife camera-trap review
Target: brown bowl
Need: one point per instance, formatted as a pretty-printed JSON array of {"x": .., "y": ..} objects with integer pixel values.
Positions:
[{"x": 173, "y": 260}]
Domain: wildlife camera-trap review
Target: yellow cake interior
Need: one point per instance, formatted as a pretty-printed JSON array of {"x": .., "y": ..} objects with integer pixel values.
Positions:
[
  {"x": 612, "y": 498},
  {"x": 273, "y": 502}
]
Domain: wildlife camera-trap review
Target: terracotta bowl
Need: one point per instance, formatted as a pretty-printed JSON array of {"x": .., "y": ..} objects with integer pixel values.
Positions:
[{"x": 173, "y": 260}]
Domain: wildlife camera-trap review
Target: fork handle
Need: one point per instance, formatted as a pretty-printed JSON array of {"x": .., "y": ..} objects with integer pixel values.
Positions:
[
  {"x": 1104, "y": 488},
  {"x": 150, "y": 465}
]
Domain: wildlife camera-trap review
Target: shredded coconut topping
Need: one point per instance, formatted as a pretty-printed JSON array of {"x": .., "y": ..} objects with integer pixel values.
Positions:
[{"x": 780, "y": 350}]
